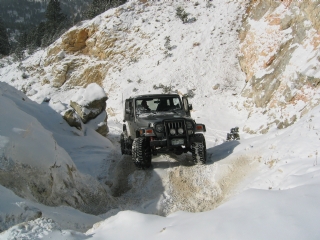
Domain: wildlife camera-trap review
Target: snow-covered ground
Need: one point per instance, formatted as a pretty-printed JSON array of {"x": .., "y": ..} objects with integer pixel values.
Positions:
[{"x": 261, "y": 187}]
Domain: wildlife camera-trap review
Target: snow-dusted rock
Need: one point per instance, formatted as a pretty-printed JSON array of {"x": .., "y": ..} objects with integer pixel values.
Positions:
[
  {"x": 72, "y": 118},
  {"x": 89, "y": 102},
  {"x": 103, "y": 128}
]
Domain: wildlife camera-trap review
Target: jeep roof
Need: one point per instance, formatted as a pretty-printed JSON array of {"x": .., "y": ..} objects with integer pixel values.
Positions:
[{"x": 156, "y": 95}]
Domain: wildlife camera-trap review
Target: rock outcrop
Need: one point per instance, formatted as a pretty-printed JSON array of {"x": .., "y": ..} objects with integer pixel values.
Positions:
[
  {"x": 276, "y": 35},
  {"x": 98, "y": 47}
]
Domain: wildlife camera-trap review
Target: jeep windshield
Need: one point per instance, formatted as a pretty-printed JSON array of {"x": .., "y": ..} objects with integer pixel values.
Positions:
[{"x": 158, "y": 104}]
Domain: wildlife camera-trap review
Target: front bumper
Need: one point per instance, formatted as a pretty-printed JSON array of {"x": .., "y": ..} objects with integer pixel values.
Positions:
[{"x": 169, "y": 142}]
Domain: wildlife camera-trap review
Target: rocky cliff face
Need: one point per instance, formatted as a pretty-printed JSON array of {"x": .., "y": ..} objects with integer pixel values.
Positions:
[
  {"x": 104, "y": 49},
  {"x": 281, "y": 58}
]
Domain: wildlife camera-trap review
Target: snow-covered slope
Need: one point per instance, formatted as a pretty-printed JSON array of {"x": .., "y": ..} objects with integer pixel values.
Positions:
[
  {"x": 35, "y": 166},
  {"x": 261, "y": 187}
]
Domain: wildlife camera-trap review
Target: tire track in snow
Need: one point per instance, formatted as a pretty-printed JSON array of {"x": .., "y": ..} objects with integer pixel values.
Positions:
[
  {"x": 172, "y": 185},
  {"x": 204, "y": 187}
]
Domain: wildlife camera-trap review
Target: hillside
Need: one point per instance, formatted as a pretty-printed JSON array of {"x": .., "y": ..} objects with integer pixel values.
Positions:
[{"x": 239, "y": 66}]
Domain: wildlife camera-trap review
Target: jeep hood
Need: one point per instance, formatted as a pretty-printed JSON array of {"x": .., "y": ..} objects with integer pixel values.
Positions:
[{"x": 144, "y": 119}]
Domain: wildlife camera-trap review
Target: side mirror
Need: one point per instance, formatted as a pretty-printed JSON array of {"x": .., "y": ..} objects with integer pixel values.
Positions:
[{"x": 190, "y": 107}]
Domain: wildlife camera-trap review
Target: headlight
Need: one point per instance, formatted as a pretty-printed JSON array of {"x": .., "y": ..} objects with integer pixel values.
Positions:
[
  {"x": 190, "y": 132},
  {"x": 189, "y": 125},
  {"x": 180, "y": 130},
  {"x": 172, "y": 131},
  {"x": 159, "y": 127}
]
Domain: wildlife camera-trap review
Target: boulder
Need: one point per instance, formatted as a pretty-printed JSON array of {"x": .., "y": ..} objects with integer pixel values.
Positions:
[
  {"x": 102, "y": 127},
  {"x": 90, "y": 102},
  {"x": 72, "y": 118}
]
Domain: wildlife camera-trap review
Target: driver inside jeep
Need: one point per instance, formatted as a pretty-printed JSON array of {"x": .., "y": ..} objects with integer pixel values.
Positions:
[{"x": 145, "y": 105}]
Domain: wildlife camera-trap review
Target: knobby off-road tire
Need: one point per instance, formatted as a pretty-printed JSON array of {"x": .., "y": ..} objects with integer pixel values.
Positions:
[
  {"x": 122, "y": 144},
  {"x": 141, "y": 153},
  {"x": 125, "y": 145},
  {"x": 199, "y": 149}
]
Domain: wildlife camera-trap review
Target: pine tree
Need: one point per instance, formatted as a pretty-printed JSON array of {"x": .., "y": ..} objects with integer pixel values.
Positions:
[
  {"x": 55, "y": 24},
  {"x": 53, "y": 12},
  {"x": 4, "y": 40},
  {"x": 23, "y": 40},
  {"x": 99, "y": 6},
  {"x": 40, "y": 31},
  {"x": 95, "y": 9}
]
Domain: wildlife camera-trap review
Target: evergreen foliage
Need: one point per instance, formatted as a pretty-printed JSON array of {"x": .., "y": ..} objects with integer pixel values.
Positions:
[
  {"x": 182, "y": 14},
  {"x": 53, "y": 13},
  {"x": 46, "y": 32},
  {"x": 23, "y": 15},
  {"x": 56, "y": 21},
  {"x": 35, "y": 34},
  {"x": 4, "y": 40},
  {"x": 99, "y": 6}
]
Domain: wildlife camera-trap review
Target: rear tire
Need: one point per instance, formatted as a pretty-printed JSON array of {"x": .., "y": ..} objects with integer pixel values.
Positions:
[
  {"x": 122, "y": 144},
  {"x": 125, "y": 144},
  {"x": 141, "y": 153},
  {"x": 199, "y": 150}
]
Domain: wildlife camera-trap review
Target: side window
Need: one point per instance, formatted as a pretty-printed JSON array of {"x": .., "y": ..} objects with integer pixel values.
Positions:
[
  {"x": 128, "y": 113},
  {"x": 138, "y": 103},
  {"x": 139, "y": 107}
]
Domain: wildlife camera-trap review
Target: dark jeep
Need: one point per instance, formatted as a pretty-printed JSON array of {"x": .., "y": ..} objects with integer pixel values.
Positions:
[{"x": 160, "y": 123}]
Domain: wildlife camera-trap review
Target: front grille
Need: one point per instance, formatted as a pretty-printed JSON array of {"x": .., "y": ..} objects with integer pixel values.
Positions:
[{"x": 174, "y": 125}]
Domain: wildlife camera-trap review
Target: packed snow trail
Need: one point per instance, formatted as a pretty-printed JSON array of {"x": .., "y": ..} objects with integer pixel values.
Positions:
[{"x": 174, "y": 183}]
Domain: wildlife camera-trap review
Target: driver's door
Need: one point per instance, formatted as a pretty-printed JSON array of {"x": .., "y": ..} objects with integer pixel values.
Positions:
[{"x": 186, "y": 106}]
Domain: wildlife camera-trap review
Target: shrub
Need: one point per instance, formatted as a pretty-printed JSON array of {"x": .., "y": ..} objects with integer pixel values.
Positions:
[
  {"x": 167, "y": 54},
  {"x": 182, "y": 14},
  {"x": 190, "y": 93},
  {"x": 168, "y": 47},
  {"x": 196, "y": 44},
  {"x": 24, "y": 75},
  {"x": 165, "y": 89},
  {"x": 167, "y": 44}
]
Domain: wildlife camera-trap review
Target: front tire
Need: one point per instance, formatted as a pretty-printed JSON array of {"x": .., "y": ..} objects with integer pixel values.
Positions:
[
  {"x": 199, "y": 150},
  {"x": 141, "y": 153}
]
